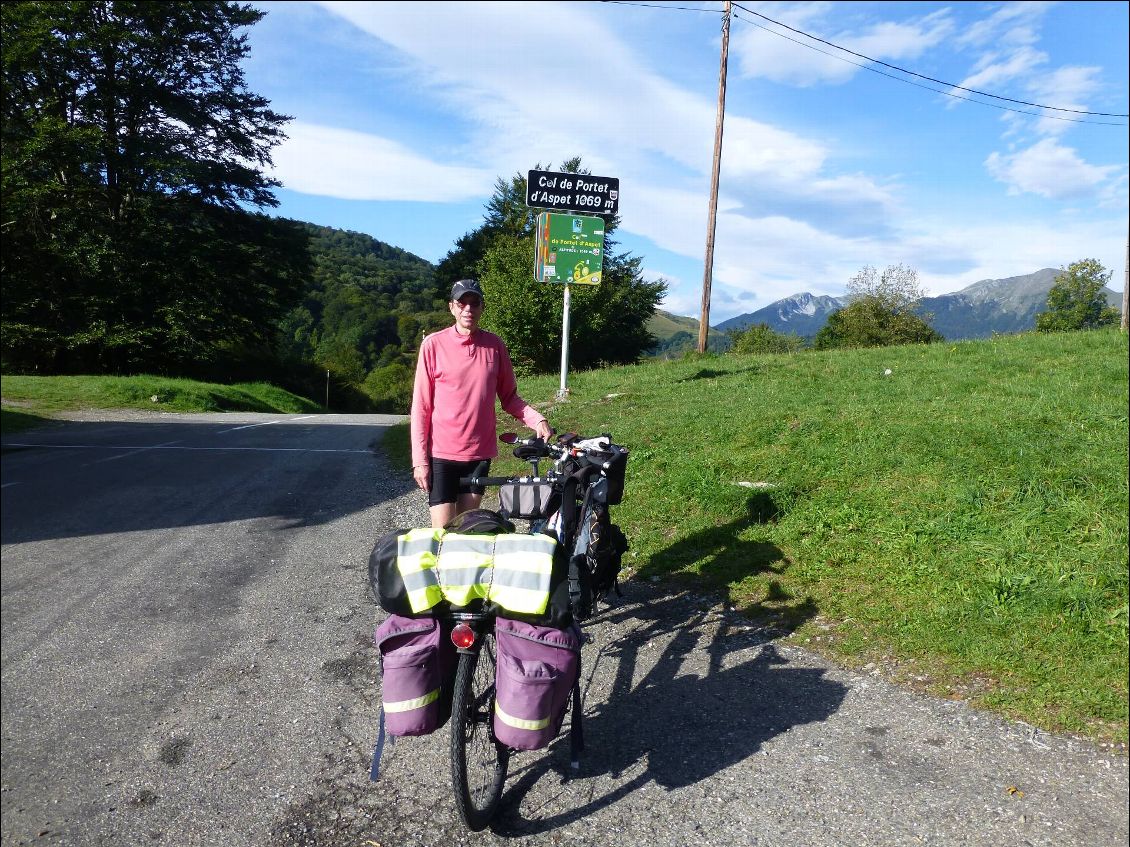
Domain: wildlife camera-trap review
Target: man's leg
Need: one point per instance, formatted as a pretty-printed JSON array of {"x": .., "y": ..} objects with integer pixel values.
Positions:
[
  {"x": 442, "y": 514},
  {"x": 469, "y": 501},
  {"x": 445, "y": 487}
]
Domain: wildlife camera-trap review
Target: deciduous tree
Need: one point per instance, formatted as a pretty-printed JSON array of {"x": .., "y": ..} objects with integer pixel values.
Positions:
[
  {"x": 1076, "y": 300},
  {"x": 882, "y": 312},
  {"x": 762, "y": 338}
]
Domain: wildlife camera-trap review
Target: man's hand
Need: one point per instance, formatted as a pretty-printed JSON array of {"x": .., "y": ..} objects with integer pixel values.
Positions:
[
  {"x": 544, "y": 430},
  {"x": 423, "y": 474}
]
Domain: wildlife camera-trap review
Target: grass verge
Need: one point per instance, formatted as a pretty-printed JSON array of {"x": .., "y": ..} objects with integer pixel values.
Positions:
[{"x": 30, "y": 400}]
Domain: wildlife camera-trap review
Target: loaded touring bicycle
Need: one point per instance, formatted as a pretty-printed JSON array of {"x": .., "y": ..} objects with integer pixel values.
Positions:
[{"x": 483, "y": 626}]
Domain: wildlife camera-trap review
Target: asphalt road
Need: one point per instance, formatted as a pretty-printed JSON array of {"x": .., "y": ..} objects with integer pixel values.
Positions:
[{"x": 187, "y": 660}]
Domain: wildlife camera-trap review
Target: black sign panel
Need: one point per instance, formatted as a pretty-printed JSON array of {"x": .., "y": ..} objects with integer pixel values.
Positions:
[{"x": 593, "y": 195}]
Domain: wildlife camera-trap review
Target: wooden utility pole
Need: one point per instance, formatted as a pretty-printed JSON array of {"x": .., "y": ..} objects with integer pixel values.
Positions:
[
  {"x": 1125, "y": 286},
  {"x": 708, "y": 265}
]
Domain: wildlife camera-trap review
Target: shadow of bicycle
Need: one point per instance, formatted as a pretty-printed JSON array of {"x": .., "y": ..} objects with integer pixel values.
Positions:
[
  {"x": 718, "y": 557},
  {"x": 693, "y": 693}
]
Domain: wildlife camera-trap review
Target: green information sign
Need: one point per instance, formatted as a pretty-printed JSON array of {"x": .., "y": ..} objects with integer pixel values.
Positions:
[{"x": 570, "y": 248}]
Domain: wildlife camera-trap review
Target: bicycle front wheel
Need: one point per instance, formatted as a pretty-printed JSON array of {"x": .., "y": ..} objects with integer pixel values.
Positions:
[{"x": 478, "y": 761}]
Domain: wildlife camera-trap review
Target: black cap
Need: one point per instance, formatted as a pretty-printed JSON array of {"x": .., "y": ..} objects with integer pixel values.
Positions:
[{"x": 466, "y": 286}]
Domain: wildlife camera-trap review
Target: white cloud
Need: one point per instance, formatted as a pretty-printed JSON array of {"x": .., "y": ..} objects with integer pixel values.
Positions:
[
  {"x": 1013, "y": 60},
  {"x": 1067, "y": 88},
  {"x": 994, "y": 70},
  {"x": 511, "y": 117},
  {"x": 1004, "y": 249},
  {"x": 512, "y": 114},
  {"x": 1050, "y": 170},
  {"x": 907, "y": 40},
  {"x": 1013, "y": 25},
  {"x": 752, "y": 148},
  {"x": 758, "y": 261},
  {"x": 356, "y": 166},
  {"x": 790, "y": 218},
  {"x": 776, "y": 258},
  {"x": 762, "y": 54},
  {"x": 684, "y": 297}
]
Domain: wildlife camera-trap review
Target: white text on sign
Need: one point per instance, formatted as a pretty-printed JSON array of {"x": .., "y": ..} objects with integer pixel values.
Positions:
[{"x": 573, "y": 192}]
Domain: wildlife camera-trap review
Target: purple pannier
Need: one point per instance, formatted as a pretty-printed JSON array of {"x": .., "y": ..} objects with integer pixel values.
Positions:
[
  {"x": 537, "y": 668},
  {"x": 417, "y": 668}
]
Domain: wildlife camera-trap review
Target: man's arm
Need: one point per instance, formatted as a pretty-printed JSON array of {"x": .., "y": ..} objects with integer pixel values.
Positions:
[{"x": 420, "y": 417}]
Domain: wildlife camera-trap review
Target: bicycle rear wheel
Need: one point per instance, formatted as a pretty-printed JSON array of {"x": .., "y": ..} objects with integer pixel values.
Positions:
[{"x": 478, "y": 762}]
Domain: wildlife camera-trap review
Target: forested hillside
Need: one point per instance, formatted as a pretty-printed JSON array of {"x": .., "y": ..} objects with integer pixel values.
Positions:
[
  {"x": 362, "y": 314},
  {"x": 135, "y": 239},
  {"x": 677, "y": 334}
]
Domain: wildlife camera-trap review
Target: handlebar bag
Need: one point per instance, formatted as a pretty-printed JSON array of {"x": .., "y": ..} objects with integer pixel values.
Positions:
[
  {"x": 528, "y": 499},
  {"x": 417, "y": 674},
  {"x": 613, "y": 464},
  {"x": 537, "y": 669}
]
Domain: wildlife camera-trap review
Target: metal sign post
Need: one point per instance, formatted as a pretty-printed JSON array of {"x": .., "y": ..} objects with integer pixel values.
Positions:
[{"x": 563, "y": 391}]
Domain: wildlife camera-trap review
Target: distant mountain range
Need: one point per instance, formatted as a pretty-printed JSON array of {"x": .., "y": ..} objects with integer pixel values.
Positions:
[
  {"x": 803, "y": 314},
  {"x": 983, "y": 308}
]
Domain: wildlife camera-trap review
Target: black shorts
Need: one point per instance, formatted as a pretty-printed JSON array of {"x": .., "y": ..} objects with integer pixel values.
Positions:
[{"x": 445, "y": 486}]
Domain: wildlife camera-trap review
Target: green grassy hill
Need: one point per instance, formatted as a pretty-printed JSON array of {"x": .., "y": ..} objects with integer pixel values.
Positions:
[
  {"x": 959, "y": 522},
  {"x": 677, "y": 334}
]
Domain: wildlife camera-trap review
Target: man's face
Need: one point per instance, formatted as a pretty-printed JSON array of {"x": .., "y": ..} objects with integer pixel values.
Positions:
[{"x": 467, "y": 310}]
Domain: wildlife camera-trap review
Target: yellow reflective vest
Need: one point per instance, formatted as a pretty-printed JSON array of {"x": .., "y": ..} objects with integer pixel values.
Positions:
[{"x": 510, "y": 569}]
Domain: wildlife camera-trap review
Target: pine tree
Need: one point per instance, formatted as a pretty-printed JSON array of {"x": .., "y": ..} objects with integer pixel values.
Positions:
[{"x": 130, "y": 147}]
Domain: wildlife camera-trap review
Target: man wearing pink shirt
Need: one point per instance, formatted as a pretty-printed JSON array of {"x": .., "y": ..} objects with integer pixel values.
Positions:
[{"x": 459, "y": 372}]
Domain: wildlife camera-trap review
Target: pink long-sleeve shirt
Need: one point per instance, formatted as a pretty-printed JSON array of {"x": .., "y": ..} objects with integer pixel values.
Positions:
[{"x": 457, "y": 380}]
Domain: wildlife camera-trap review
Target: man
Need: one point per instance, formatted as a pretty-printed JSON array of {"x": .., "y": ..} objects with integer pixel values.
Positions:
[{"x": 459, "y": 372}]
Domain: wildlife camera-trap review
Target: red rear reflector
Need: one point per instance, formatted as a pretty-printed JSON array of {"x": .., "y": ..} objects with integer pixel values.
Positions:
[{"x": 462, "y": 636}]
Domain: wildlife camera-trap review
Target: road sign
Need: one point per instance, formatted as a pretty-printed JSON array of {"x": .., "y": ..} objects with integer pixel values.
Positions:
[
  {"x": 593, "y": 195},
  {"x": 569, "y": 249}
]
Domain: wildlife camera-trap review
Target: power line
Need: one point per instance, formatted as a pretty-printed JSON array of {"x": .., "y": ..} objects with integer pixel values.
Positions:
[
  {"x": 935, "y": 90},
  {"x": 661, "y": 6},
  {"x": 894, "y": 67},
  {"x": 913, "y": 73}
]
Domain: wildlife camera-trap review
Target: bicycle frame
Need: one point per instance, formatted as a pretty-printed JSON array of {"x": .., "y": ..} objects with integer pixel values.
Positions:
[{"x": 479, "y": 761}]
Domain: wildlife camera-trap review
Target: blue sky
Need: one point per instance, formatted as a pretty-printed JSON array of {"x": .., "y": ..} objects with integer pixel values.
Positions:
[{"x": 405, "y": 114}]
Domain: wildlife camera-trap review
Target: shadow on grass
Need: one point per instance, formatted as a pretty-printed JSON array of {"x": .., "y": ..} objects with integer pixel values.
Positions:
[
  {"x": 244, "y": 401},
  {"x": 718, "y": 557},
  {"x": 712, "y": 373}
]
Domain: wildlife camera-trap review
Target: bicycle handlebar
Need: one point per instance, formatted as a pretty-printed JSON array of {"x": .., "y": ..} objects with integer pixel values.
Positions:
[
  {"x": 486, "y": 480},
  {"x": 534, "y": 448}
]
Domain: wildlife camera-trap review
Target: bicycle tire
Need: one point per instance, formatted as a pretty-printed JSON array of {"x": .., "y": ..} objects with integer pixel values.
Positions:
[{"x": 478, "y": 762}]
